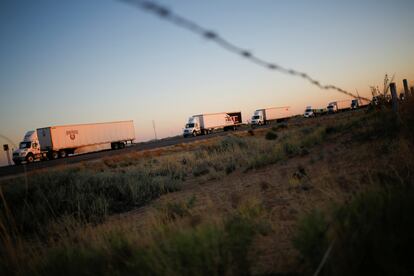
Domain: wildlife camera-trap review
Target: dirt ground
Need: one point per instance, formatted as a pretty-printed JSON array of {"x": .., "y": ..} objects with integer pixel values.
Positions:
[{"x": 330, "y": 173}]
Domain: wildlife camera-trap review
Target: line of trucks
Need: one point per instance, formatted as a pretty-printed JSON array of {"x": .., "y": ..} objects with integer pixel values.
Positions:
[
  {"x": 55, "y": 142},
  {"x": 203, "y": 124},
  {"x": 336, "y": 106},
  {"x": 61, "y": 141}
]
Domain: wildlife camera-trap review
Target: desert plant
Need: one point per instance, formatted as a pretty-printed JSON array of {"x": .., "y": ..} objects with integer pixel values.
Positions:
[{"x": 270, "y": 135}]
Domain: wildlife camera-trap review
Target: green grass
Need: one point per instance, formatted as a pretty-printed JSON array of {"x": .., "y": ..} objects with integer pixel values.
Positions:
[
  {"x": 212, "y": 247},
  {"x": 371, "y": 235},
  {"x": 82, "y": 194}
]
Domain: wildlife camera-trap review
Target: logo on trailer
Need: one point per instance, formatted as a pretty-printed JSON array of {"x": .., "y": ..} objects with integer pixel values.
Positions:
[{"x": 72, "y": 134}]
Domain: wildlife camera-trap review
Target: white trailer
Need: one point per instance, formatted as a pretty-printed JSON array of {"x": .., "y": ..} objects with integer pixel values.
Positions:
[
  {"x": 207, "y": 123},
  {"x": 267, "y": 115},
  {"x": 59, "y": 141}
]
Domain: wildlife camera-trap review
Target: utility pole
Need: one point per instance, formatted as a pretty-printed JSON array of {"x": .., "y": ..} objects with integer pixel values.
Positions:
[
  {"x": 394, "y": 97},
  {"x": 155, "y": 132},
  {"x": 406, "y": 90}
]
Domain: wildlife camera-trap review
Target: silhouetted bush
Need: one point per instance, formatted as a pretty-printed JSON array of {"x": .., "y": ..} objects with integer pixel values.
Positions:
[
  {"x": 271, "y": 135},
  {"x": 371, "y": 236}
]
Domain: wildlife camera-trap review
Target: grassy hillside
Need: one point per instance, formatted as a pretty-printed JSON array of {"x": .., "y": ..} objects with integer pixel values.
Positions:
[{"x": 265, "y": 201}]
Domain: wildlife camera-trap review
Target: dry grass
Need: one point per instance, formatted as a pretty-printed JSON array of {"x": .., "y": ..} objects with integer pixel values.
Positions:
[{"x": 259, "y": 188}]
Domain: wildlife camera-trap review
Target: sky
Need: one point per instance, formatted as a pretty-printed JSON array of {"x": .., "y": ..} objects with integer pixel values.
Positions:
[{"x": 72, "y": 62}]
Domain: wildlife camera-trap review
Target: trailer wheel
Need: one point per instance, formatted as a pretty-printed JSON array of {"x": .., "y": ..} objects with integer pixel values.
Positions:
[
  {"x": 17, "y": 163},
  {"x": 54, "y": 155},
  {"x": 29, "y": 158},
  {"x": 62, "y": 154},
  {"x": 115, "y": 146},
  {"x": 121, "y": 145}
]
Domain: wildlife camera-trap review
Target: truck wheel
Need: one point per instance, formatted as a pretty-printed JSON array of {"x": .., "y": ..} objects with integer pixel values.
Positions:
[
  {"x": 29, "y": 158},
  {"x": 194, "y": 134},
  {"x": 62, "y": 154},
  {"x": 54, "y": 155},
  {"x": 17, "y": 163}
]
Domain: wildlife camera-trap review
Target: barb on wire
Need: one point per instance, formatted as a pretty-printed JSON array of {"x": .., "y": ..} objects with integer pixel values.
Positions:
[{"x": 168, "y": 15}]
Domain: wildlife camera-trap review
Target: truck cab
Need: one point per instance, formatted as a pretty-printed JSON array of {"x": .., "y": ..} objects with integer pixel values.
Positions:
[
  {"x": 332, "y": 107},
  {"x": 308, "y": 112},
  {"x": 192, "y": 128},
  {"x": 29, "y": 149},
  {"x": 354, "y": 104},
  {"x": 258, "y": 118}
]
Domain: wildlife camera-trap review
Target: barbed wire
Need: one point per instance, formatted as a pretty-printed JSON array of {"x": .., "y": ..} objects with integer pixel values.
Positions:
[{"x": 168, "y": 15}]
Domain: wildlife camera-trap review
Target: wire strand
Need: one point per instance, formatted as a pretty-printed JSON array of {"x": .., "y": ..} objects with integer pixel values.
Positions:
[{"x": 168, "y": 15}]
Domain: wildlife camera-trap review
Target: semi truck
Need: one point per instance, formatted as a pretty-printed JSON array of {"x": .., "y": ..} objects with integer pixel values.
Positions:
[
  {"x": 266, "y": 115},
  {"x": 59, "y": 141},
  {"x": 358, "y": 103},
  {"x": 308, "y": 112},
  {"x": 29, "y": 149},
  {"x": 313, "y": 112},
  {"x": 204, "y": 124},
  {"x": 338, "y": 106}
]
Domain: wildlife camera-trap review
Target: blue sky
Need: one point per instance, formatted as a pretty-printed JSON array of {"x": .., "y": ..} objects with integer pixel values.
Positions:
[{"x": 68, "y": 62}]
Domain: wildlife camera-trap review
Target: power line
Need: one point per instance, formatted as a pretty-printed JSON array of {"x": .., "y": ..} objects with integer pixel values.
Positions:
[{"x": 168, "y": 15}]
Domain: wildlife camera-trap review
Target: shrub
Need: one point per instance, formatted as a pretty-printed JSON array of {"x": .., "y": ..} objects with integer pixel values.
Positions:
[
  {"x": 280, "y": 126},
  {"x": 210, "y": 248},
  {"x": 86, "y": 196},
  {"x": 201, "y": 169},
  {"x": 271, "y": 135},
  {"x": 310, "y": 238},
  {"x": 290, "y": 149},
  {"x": 331, "y": 129},
  {"x": 174, "y": 210},
  {"x": 372, "y": 234}
]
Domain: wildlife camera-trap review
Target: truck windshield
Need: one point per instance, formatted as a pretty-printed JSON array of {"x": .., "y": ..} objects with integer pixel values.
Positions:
[
  {"x": 189, "y": 125},
  {"x": 25, "y": 145},
  {"x": 256, "y": 117},
  {"x": 308, "y": 110}
]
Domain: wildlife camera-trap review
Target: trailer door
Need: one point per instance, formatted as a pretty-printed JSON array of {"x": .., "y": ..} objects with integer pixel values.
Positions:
[{"x": 45, "y": 138}]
